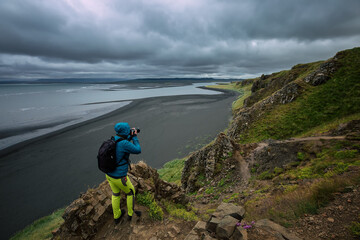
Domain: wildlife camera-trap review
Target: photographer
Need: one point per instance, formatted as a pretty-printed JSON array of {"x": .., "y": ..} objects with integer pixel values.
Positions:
[{"x": 118, "y": 179}]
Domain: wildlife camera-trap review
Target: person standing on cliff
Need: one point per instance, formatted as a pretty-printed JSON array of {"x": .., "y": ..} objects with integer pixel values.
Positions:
[{"x": 118, "y": 179}]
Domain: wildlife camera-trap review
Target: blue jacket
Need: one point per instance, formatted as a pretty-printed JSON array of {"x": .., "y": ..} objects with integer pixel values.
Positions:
[{"x": 123, "y": 149}]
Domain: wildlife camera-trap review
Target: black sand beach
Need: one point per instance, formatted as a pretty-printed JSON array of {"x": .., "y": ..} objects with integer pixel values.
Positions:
[{"x": 49, "y": 172}]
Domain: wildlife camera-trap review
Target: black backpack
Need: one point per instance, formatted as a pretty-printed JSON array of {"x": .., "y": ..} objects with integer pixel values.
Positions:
[{"x": 107, "y": 155}]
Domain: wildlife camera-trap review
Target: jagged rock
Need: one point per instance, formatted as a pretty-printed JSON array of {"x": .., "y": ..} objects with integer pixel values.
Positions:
[
  {"x": 223, "y": 221},
  {"x": 226, "y": 227},
  {"x": 230, "y": 209},
  {"x": 275, "y": 229},
  {"x": 246, "y": 82},
  {"x": 212, "y": 224},
  {"x": 239, "y": 234},
  {"x": 267, "y": 156},
  {"x": 258, "y": 84},
  {"x": 323, "y": 73},
  {"x": 347, "y": 128},
  {"x": 206, "y": 162},
  {"x": 87, "y": 214}
]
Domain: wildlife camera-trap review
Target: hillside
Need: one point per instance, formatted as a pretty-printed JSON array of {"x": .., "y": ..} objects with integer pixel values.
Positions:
[{"x": 288, "y": 167}]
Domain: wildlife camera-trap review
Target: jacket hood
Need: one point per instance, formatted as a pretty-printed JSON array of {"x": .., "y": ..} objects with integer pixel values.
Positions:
[{"x": 122, "y": 128}]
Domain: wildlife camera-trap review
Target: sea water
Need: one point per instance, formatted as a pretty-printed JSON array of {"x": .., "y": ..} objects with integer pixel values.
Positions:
[{"x": 31, "y": 110}]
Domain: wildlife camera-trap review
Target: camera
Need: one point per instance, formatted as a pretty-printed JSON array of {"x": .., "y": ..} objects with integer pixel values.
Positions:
[{"x": 132, "y": 131}]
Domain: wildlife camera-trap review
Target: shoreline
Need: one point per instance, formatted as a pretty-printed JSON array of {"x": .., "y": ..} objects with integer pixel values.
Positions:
[{"x": 51, "y": 170}]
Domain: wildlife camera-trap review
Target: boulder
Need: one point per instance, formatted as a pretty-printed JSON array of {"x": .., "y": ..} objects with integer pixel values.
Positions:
[
  {"x": 226, "y": 227},
  {"x": 275, "y": 229},
  {"x": 239, "y": 234},
  {"x": 223, "y": 221},
  {"x": 225, "y": 209}
]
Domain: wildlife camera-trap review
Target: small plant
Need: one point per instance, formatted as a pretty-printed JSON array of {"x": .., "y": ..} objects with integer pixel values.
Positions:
[
  {"x": 265, "y": 175},
  {"x": 301, "y": 156},
  {"x": 147, "y": 199},
  {"x": 231, "y": 198},
  {"x": 209, "y": 190},
  {"x": 245, "y": 225},
  {"x": 278, "y": 170},
  {"x": 355, "y": 228},
  {"x": 346, "y": 154},
  {"x": 179, "y": 211},
  {"x": 221, "y": 182}
]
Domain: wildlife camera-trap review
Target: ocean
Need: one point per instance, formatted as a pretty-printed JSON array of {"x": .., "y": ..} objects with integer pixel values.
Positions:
[{"x": 32, "y": 110}]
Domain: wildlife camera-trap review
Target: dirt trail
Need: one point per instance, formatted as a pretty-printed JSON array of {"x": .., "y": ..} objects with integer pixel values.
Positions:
[
  {"x": 314, "y": 138},
  {"x": 144, "y": 228}
]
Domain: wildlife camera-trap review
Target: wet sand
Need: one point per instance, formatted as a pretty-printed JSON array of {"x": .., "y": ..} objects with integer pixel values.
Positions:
[{"x": 47, "y": 173}]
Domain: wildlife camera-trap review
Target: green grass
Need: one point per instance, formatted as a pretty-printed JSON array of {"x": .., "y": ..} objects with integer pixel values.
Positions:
[
  {"x": 355, "y": 228},
  {"x": 328, "y": 126},
  {"x": 147, "y": 199},
  {"x": 171, "y": 171},
  {"x": 296, "y": 201},
  {"x": 41, "y": 228},
  {"x": 245, "y": 91},
  {"x": 333, "y": 160},
  {"x": 179, "y": 211},
  {"x": 337, "y": 99}
]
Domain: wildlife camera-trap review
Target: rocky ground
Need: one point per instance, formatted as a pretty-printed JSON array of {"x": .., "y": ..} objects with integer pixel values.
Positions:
[{"x": 334, "y": 220}]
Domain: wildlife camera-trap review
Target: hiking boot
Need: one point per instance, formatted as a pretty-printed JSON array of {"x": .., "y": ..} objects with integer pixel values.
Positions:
[
  {"x": 117, "y": 220},
  {"x": 138, "y": 213}
]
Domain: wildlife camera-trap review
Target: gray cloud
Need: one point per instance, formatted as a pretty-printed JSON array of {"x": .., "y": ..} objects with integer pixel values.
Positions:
[{"x": 160, "y": 38}]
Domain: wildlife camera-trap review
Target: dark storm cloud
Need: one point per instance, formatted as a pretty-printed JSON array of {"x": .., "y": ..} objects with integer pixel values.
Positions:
[{"x": 179, "y": 38}]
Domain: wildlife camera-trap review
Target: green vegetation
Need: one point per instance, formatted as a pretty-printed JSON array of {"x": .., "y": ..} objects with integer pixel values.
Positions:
[
  {"x": 301, "y": 156},
  {"x": 355, "y": 228},
  {"x": 147, "y": 199},
  {"x": 333, "y": 160},
  {"x": 322, "y": 105},
  {"x": 297, "y": 201},
  {"x": 245, "y": 92},
  {"x": 328, "y": 126},
  {"x": 171, "y": 171},
  {"x": 41, "y": 228},
  {"x": 179, "y": 211},
  {"x": 232, "y": 198},
  {"x": 270, "y": 174}
]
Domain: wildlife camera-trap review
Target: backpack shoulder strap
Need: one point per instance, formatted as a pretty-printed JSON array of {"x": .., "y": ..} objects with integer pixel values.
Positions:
[{"x": 119, "y": 140}]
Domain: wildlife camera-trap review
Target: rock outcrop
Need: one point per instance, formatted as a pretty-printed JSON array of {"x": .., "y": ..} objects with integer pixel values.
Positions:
[
  {"x": 86, "y": 215},
  {"x": 243, "y": 119},
  {"x": 207, "y": 162},
  {"x": 323, "y": 73}
]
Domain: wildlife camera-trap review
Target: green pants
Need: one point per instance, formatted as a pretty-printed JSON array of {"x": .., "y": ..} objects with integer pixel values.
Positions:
[{"x": 126, "y": 186}]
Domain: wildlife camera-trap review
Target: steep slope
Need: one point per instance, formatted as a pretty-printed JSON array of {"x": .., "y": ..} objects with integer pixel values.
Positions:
[{"x": 291, "y": 103}]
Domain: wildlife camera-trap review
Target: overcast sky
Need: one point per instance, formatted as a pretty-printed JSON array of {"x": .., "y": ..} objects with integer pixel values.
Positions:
[{"x": 170, "y": 38}]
